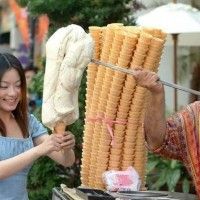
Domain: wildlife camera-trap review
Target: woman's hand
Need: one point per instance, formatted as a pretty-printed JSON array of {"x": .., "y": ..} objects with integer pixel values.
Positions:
[
  {"x": 58, "y": 146},
  {"x": 51, "y": 143},
  {"x": 148, "y": 79},
  {"x": 68, "y": 141}
]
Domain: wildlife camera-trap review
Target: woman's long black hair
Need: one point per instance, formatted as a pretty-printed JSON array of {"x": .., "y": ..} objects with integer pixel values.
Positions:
[{"x": 8, "y": 62}]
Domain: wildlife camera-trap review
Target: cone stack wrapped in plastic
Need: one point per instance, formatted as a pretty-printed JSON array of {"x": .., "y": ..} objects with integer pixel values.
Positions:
[
  {"x": 68, "y": 52},
  {"x": 113, "y": 133}
]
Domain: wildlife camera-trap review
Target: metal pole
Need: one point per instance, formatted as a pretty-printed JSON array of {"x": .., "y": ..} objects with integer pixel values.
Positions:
[
  {"x": 132, "y": 72},
  {"x": 175, "y": 70}
]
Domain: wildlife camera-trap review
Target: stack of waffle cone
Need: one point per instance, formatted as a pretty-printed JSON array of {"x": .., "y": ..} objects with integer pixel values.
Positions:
[
  {"x": 137, "y": 108},
  {"x": 113, "y": 132},
  {"x": 133, "y": 114},
  {"x": 115, "y": 49},
  {"x": 96, "y": 33},
  {"x": 109, "y": 107},
  {"x": 115, "y": 97},
  {"x": 89, "y": 139}
]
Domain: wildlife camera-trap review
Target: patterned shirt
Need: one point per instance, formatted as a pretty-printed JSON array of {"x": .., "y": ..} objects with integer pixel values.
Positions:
[{"x": 182, "y": 141}]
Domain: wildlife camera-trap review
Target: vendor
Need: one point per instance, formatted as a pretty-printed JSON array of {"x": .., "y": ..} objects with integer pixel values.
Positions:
[{"x": 177, "y": 137}]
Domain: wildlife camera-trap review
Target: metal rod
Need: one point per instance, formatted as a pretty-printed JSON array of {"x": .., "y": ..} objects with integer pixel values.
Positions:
[
  {"x": 128, "y": 71},
  {"x": 175, "y": 69}
]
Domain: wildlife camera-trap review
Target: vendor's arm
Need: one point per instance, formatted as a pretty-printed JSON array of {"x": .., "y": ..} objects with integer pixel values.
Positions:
[
  {"x": 162, "y": 136},
  {"x": 182, "y": 134},
  {"x": 154, "y": 124}
]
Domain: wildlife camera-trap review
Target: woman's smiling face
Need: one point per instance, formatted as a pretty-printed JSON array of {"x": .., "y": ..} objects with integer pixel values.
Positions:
[{"x": 10, "y": 90}]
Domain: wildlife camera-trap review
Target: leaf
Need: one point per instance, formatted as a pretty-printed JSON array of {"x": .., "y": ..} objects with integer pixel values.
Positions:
[
  {"x": 173, "y": 163},
  {"x": 151, "y": 165},
  {"x": 173, "y": 178},
  {"x": 186, "y": 185},
  {"x": 161, "y": 180}
]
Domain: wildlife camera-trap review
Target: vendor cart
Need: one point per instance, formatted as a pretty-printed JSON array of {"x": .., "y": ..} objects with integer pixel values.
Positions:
[{"x": 59, "y": 194}]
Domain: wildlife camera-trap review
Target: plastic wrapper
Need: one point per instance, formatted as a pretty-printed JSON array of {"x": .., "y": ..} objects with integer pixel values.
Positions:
[{"x": 127, "y": 180}]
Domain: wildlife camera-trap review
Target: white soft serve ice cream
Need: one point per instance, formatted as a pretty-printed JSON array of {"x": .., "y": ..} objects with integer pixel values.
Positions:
[{"x": 68, "y": 52}]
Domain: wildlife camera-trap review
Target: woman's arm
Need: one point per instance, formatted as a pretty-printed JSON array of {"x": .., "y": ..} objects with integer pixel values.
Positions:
[
  {"x": 13, "y": 165},
  {"x": 65, "y": 156}
]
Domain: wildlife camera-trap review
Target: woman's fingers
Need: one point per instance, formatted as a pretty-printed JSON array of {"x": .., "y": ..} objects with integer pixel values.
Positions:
[
  {"x": 65, "y": 140},
  {"x": 58, "y": 139},
  {"x": 68, "y": 141},
  {"x": 68, "y": 144},
  {"x": 68, "y": 137}
]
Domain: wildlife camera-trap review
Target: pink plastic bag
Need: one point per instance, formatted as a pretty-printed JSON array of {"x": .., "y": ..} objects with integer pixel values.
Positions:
[{"x": 127, "y": 180}]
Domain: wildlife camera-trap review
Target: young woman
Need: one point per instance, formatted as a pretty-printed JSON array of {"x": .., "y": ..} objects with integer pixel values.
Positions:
[{"x": 23, "y": 139}]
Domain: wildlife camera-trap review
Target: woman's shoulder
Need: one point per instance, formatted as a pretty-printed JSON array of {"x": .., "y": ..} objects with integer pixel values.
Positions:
[
  {"x": 32, "y": 117},
  {"x": 32, "y": 120},
  {"x": 36, "y": 128}
]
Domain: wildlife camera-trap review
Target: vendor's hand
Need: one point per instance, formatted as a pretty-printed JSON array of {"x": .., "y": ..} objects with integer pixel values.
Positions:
[
  {"x": 148, "y": 79},
  {"x": 68, "y": 141}
]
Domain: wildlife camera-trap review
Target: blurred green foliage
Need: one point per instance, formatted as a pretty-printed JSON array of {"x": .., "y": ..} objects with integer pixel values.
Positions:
[
  {"x": 81, "y": 12},
  {"x": 163, "y": 174}
]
